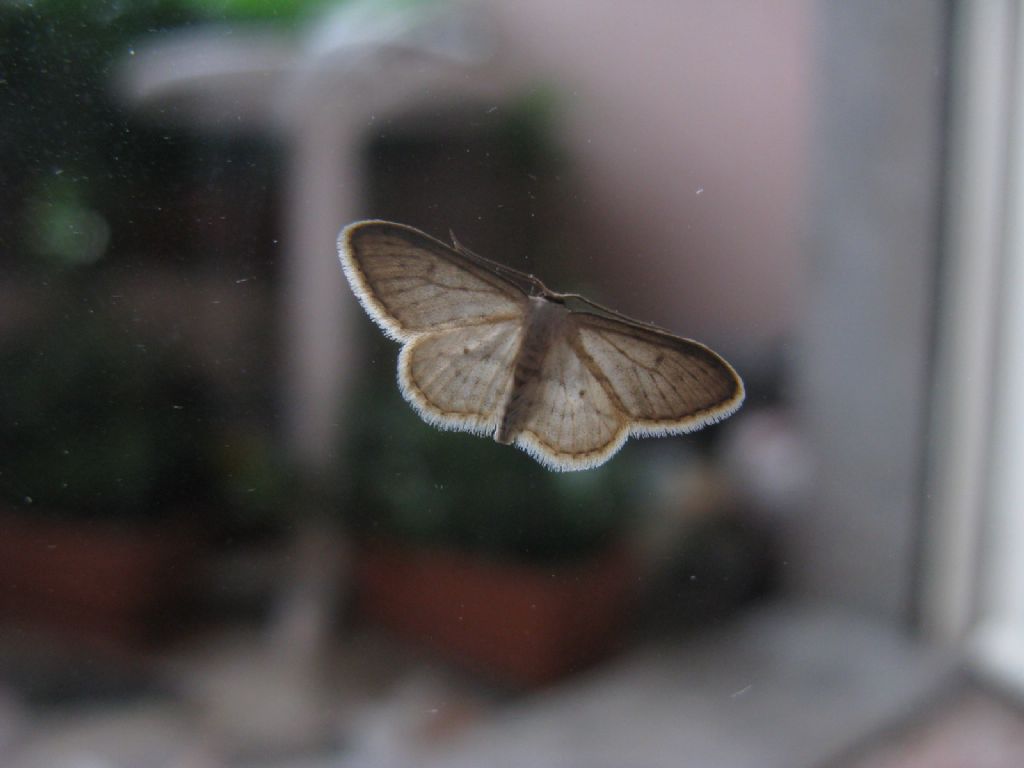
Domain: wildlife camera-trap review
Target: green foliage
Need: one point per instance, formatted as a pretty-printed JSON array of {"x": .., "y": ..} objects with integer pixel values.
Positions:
[
  {"x": 278, "y": 11},
  {"x": 525, "y": 127},
  {"x": 74, "y": 157},
  {"x": 254, "y": 479},
  {"x": 69, "y": 152},
  {"x": 97, "y": 422},
  {"x": 450, "y": 489}
]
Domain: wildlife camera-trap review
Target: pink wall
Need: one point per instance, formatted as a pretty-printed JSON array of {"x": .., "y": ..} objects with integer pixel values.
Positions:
[{"x": 665, "y": 98}]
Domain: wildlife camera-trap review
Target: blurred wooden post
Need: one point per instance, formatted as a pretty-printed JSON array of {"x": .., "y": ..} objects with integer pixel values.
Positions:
[
  {"x": 350, "y": 76},
  {"x": 359, "y": 62},
  {"x": 323, "y": 191}
]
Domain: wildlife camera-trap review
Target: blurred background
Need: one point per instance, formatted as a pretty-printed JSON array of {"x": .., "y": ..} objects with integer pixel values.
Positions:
[{"x": 225, "y": 540}]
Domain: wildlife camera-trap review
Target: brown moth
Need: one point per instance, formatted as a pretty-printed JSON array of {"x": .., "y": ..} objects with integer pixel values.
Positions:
[{"x": 490, "y": 350}]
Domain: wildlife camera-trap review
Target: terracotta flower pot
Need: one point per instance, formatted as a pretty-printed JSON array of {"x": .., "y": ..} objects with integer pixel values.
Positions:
[
  {"x": 89, "y": 580},
  {"x": 521, "y": 624}
]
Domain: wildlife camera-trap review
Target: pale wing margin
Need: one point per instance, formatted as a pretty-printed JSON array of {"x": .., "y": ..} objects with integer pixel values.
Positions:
[
  {"x": 573, "y": 423},
  {"x": 664, "y": 384},
  {"x": 459, "y": 378},
  {"x": 410, "y": 283}
]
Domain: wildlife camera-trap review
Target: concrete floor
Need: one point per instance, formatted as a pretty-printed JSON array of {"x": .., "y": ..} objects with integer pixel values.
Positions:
[
  {"x": 785, "y": 686},
  {"x": 972, "y": 728}
]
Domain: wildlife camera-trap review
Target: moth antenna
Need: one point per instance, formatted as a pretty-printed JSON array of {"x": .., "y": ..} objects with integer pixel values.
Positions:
[
  {"x": 526, "y": 282},
  {"x": 608, "y": 311}
]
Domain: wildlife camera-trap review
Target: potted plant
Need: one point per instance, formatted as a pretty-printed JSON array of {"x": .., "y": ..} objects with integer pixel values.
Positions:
[
  {"x": 108, "y": 445},
  {"x": 104, "y": 444},
  {"x": 478, "y": 552}
]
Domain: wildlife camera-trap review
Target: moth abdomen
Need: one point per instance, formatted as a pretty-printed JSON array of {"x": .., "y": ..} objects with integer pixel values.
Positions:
[{"x": 544, "y": 321}]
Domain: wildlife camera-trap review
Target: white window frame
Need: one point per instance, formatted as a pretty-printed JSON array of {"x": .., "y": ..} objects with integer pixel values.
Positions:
[{"x": 973, "y": 587}]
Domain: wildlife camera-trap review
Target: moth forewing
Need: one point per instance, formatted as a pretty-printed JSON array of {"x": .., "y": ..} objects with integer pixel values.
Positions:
[
  {"x": 410, "y": 283},
  {"x": 665, "y": 384},
  {"x": 490, "y": 350}
]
